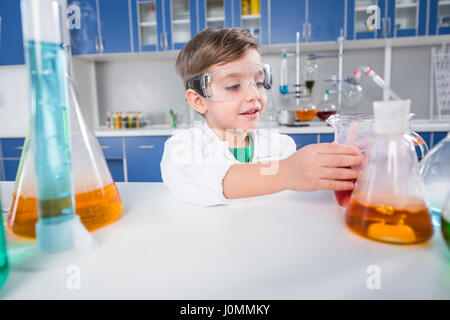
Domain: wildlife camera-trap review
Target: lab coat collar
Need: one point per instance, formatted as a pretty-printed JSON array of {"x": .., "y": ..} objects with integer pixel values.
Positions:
[{"x": 214, "y": 138}]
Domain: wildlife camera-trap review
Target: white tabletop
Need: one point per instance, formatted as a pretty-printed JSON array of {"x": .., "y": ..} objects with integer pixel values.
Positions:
[{"x": 289, "y": 245}]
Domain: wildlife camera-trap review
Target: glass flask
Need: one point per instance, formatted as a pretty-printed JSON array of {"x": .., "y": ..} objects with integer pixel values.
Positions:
[
  {"x": 4, "y": 267},
  {"x": 445, "y": 221},
  {"x": 388, "y": 202},
  {"x": 97, "y": 200},
  {"x": 310, "y": 72},
  {"x": 326, "y": 108},
  {"x": 357, "y": 130},
  {"x": 435, "y": 171},
  {"x": 305, "y": 109}
]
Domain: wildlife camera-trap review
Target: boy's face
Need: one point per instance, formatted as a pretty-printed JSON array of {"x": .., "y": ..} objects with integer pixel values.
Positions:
[{"x": 243, "y": 110}]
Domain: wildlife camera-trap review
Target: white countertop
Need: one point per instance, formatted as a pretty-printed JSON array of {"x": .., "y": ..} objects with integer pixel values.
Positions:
[
  {"x": 288, "y": 245},
  {"x": 419, "y": 125}
]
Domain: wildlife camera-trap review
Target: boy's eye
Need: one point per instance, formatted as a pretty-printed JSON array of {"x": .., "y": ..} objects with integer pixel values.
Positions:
[
  {"x": 233, "y": 87},
  {"x": 260, "y": 84}
]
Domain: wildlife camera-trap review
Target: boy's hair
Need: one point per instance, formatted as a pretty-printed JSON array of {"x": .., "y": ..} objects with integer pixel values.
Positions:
[{"x": 213, "y": 46}]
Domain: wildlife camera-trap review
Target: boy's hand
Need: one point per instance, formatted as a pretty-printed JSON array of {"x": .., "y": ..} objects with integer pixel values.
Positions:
[{"x": 321, "y": 166}]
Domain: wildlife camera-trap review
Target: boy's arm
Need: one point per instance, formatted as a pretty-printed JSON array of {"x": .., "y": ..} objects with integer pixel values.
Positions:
[{"x": 318, "y": 166}]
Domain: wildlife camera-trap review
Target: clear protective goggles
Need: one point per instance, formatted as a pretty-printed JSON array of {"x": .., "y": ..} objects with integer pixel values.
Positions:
[{"x": 233, "y": 82}]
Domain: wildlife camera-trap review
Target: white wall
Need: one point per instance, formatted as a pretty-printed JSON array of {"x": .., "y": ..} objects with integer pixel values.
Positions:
[{"x": 14, "y": 98}]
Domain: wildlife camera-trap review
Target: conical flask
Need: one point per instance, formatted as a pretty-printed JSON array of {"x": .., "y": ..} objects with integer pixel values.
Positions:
[
  {"x": 435, "y": 171},
  {"x": 388, "y": 202},
  {"x": 97, "y": 200}
]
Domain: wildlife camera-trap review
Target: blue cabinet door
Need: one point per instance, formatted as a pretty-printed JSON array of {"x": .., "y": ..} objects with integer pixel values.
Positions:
[
  {"x": 302, "y": 140},
  {"x": 116, "y": 168},
  {"x": 438, "y": 136},
  {"x": 215, "y": 14},
  {"x": 326, "y": 137},
  {"x": 357, "y": 17},
  {"x": 325, "y": 19},
  {"x": 178, "y": 23},
  {"x": 148, "y": 34},
  {"x": 406, "y": 19},
  {"x": 10, "y": 167},
  {"x": 144, "y": 155},
  {"x": 287, "y": 17},
  {"x": 439, "y": 20},
  {"x": 115, "y": 25},
  {"x": 256, "y": 24},
  {"x": 84, "y": 37},
  {"x": 11, "y": 41}
]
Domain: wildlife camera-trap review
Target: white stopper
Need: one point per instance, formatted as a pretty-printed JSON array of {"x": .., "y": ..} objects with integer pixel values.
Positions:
[{"x": 391, "y": 117}]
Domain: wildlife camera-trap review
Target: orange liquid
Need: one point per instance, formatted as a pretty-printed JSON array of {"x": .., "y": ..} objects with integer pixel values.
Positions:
[
  {"x": 389, "y": 224},
  {"x": 305, "y": 115},
  {"x": 96, "y": 209}
]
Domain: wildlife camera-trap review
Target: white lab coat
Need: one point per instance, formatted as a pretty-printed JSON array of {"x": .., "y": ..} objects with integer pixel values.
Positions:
[{"x": 195, "y": 162}]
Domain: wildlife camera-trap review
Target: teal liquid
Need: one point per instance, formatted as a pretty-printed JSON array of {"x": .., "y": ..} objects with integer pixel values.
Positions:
[
  {"x": 284, "y": 89},
  {"x": 436, "y": 217},
  {"x": 4, "y": 268},
  {"x": 445, "y": 227},
  {"x": 47, "y": 67}
]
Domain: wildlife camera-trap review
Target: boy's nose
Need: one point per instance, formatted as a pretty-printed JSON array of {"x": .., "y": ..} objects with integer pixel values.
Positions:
[{"x": 252, "y": 91}]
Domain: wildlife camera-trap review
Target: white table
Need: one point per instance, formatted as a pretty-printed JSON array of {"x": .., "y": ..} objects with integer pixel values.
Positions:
[{"x": 284, "y": 246}]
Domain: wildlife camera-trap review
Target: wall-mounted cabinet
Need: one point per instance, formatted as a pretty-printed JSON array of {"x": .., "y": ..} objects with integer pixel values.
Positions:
[
  {"x": 318, "y": 20},
  {"x": 439, "y": 17},
  {"x": 11, "y": 43},
  {"x": 395, "y": 18}
]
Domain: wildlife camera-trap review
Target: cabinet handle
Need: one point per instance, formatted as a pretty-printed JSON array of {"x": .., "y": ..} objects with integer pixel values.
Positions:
[
  {"x": 309, "y": 31},
  {"x": 161, "y": 40},
  {"x": 102, "y": 48},
  {"x": 106, "y": 147},
  {"x": 384, "y": 26},
  {"x": 166, "y": 40},
  {"x": 97, "y": 47},
  {"x": 304, "y": 32},
  {"x": 389, "y": 26},
  {"x": 18, "y": 148},
  {"x": 146, "y": 147}
]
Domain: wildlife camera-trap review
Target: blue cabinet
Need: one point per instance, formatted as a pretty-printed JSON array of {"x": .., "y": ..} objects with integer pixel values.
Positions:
[
  {"x": 396, "y": 19},
  {"x": 104, "y": 26},
  {"x": 11, "y": 41},
  {"x": 438, "y": 136},
  {"x": 256, "y": 20},
  {"x": 439, "y": 21},
  {"x": 114, "y": 26},
  {"x": 84, "y": 33},
  {"x": 10, "y": 152},
  {"x": 149, "y": 25},
  {"x": 318, "y": 20},
  {"x": 302, "y": 140},
  {"x": 144, "y": 155},
  {"x": 286, "y": 18},
  {"x": 326, "y": 137},
  {"x": 113, "y": 151}
]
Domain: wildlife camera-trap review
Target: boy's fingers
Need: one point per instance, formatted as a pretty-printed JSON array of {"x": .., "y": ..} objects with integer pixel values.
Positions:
[
  {"x": 337, "y": 148},
  {"x": 339, "y": 173},
  {"x": 331, "y": 160},
  {"x": 326, "y": 184}
]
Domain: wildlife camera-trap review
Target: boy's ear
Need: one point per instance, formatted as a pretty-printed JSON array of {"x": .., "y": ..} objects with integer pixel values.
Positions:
[{"x": 196, "y": 101}]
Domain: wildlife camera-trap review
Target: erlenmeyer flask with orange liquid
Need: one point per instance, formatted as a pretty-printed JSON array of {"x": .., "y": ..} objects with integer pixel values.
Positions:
[
  {"x": 97, "y": 200},
  {"x": 388, "y": 203}
]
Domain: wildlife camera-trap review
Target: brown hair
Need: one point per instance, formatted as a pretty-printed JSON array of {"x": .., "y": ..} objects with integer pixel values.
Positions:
[{"x": 213, "y": 46}]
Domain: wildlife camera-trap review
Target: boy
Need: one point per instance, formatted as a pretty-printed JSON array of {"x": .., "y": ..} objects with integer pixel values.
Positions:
[{"x": 228, "y": 158}]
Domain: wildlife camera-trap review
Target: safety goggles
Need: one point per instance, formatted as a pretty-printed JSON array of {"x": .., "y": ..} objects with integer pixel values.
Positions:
[{"x": 233, "y": 82}]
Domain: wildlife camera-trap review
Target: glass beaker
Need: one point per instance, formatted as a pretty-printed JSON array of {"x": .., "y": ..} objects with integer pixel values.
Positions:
[
  {"x": 97, "y": 200},
  {"x": 357, "y": 130},
  {"x": 388, "y": 202},
  {"x": 305, "y": 109},
  {"x": 435, "y": 171},
  {"x": 445, "y": 221}
]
